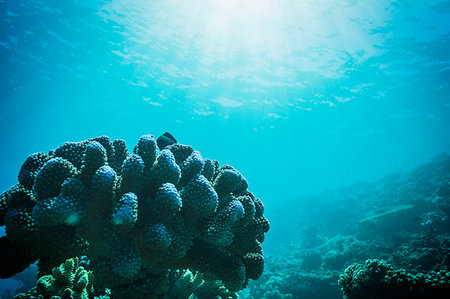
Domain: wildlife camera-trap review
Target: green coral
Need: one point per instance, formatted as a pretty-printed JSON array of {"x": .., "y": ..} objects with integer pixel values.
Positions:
[
  {"x": 187, "y": 284},
  {"x": 69, "y": 280},
  {"x": 136, "y": 216}
]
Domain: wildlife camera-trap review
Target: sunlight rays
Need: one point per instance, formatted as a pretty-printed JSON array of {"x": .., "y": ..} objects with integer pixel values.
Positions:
[{"x": 234, "y": 45}]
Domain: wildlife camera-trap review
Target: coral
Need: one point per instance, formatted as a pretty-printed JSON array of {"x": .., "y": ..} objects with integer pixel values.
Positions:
[
  {"x": 424, "y": 252},
  {"x": 164, "y": 170},
  {"x": 199, "y": 198},
  {"x": 93, "y": 158},
  {"x": 69, "y": 280},
  {"x": 209, "y": 168},
  {"x": 180, "y": 152},
  {"x": 120, "y": 155},
  {"x": 229, "y": 180},
  {"x": 254, "y": 265},
  {"x": 192, "y": 166},
  {"x": 132, "y": 171},
  {"x": 167, "y": 202},
  {"x": 137, "y": 216},
  {"x": 125, "y": 212},
  {"x": 377, "y": 279},
  {"x": 30, "y": 168},
  {"x": 50, "y": 177},
  {"x": 146, "y": 149},
  {"x": 71, "y": 151},
  {"x": 186, "y": 284}
]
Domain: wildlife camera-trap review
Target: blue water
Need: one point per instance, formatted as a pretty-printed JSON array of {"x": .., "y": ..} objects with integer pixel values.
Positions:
[{"x": 300, "y": 96}]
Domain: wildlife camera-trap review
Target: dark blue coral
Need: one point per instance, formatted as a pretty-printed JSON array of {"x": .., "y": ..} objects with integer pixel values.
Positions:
[{"x": 139, "y": 215}]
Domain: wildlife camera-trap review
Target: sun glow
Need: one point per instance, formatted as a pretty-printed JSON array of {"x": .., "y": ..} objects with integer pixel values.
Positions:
[
  {"x": 242, "y": 26},
  {"x": 259, "y": 44}
]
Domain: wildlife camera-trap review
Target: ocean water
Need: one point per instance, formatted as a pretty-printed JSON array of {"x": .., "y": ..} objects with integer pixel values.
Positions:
[{"x": 302, "y": 97}]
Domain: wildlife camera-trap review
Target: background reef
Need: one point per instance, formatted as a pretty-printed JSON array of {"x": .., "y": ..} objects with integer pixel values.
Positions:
[{"x": 403, "y": 219}]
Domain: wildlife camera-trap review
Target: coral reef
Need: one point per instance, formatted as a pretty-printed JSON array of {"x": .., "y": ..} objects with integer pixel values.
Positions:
[
  {"x": 424, "y": 252},
  {"x": 376, "y": 280},
  {"x": 402, "y": 219},
  {"x": 137, "y": 215},
  {"x": 68, "y": 281}
]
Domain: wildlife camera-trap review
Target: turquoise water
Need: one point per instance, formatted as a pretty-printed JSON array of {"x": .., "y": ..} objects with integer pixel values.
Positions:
[{"x": 299, "y": 96}]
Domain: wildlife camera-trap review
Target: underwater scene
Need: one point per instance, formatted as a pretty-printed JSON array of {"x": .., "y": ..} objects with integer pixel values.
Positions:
[{"x": 254, "y": 149}]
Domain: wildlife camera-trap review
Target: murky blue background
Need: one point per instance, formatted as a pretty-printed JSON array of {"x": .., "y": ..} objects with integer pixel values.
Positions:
[{"x": 300, "y": 96}]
